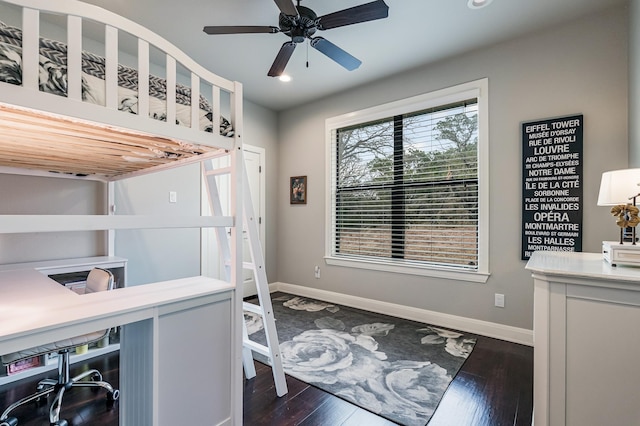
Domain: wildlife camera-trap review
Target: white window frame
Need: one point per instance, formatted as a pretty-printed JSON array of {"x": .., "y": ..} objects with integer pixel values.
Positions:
[{"x": 475, "y": 89}]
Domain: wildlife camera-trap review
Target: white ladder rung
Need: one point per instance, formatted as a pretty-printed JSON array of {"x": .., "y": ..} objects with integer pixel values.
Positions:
[
  {"x": 218, "y": 172},
  {"x": 245, "y": 265},
  {"x": 258, "y": 348},
  {"x": 264, "y": 308},
  {"x": 251, "y": 307}
]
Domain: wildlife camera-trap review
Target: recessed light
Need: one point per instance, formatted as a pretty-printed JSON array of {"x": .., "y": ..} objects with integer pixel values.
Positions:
[
  {"x": 477, "y": 4},
  {"x": 285, "y": 77}
]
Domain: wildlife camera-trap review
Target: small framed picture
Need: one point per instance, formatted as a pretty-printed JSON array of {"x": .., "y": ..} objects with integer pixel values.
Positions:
[{"x": 298, "y": 190}]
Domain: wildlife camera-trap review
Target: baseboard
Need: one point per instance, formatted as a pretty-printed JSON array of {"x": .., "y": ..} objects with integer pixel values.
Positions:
[{"x": 484, "y": 328}]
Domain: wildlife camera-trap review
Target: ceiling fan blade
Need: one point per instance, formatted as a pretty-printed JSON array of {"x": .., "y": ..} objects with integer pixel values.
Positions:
[
  {"x": 334, "y": 52},
  {"x": 354, "y": 15},
  {"x": 287, "y": 7},
  {"x": 282, "y": 59},
  {"x": 240, "y": 29}
]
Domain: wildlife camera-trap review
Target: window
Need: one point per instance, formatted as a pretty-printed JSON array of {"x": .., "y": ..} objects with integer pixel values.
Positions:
[{"x": 407, "y": 189}]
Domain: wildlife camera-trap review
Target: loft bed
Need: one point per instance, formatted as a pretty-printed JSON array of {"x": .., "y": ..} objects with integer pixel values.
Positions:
[
  {"x": 117, "y": 121},
  {"x": 66, "y": 112}
]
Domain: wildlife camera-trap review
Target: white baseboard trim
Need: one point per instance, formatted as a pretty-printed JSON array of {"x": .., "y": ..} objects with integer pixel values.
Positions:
[{"x": 470, "y": 325}]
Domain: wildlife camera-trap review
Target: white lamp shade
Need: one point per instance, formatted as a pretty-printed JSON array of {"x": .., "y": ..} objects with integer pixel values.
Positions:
[{"x": 619, "y": 187}]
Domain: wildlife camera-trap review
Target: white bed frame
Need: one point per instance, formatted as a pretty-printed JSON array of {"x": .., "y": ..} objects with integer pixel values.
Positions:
[{"x": 38, "y": 114}]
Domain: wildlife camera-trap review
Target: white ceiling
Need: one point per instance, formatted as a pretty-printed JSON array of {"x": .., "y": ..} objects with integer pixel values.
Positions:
[{"x": 416, "y": 32}]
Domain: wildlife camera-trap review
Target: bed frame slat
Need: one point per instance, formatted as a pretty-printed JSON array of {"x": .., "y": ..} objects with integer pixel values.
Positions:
[
  {"x": 111, "y": 67},
  {"x": 143, "y": 78},
  {"x": 74, "y": 57},
  {"x": 30, "y": 48},
  {"x": 195, "y": 101},
  {"x": 171, "y": 89},
  {"x": 215, "y": 105}
]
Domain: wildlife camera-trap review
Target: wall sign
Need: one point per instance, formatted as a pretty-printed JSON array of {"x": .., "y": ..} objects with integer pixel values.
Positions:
[{"x": 552, "y": 185}]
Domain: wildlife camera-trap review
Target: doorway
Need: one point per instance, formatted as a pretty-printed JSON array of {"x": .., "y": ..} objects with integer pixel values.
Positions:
[{"x": 212, "y": 264}]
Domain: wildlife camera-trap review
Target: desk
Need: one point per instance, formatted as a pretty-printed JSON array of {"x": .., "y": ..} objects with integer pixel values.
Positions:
[
  {"x": 54, "y": 269},
  {"x": 176, "y": 350}
]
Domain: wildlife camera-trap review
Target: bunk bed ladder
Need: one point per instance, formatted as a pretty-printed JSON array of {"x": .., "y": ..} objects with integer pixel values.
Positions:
[{"x": 264, "y": 309}]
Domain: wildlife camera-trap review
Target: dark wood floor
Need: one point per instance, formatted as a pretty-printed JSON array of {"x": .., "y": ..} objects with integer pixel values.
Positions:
[
  {"x": 494, "y": 387},
  {"x": 80, "y": 407}
]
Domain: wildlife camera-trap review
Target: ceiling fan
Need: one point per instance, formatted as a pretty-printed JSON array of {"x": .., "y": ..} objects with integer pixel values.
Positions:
[{"x": 301, "y": 23}]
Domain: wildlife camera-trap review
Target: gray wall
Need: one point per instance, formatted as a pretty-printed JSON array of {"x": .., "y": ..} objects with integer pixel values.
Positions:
[
  {"x": 43, "y": 195},
  {"x": 160, "y": 254},
  {"x": 262, "y": 130},
  {"x": 578, "y": 68}
]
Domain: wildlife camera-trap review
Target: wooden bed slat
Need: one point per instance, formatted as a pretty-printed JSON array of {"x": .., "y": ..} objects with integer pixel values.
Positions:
[{"x": 56, "y": 144}]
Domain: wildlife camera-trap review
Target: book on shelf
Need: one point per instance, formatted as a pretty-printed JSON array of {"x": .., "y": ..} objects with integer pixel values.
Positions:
[{"x": 24, "y": 364}]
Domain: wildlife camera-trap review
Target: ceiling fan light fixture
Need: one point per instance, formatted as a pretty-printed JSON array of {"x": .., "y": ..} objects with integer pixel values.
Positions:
[
  {"x": 478, "y": 4},
  {"x": 284, "y": 77}
]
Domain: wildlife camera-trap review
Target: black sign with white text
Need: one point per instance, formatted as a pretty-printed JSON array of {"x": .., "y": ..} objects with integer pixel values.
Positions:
[{"x": 552, "y": 185}]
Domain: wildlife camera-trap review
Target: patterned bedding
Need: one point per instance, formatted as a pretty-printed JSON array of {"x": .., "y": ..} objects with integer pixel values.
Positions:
[{"x": 53, "y": 79}]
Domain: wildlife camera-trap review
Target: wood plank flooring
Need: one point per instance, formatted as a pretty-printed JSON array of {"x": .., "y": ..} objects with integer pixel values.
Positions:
[
  {"x": 493, "y": 388},
  {"x": 80, "y": 406}
]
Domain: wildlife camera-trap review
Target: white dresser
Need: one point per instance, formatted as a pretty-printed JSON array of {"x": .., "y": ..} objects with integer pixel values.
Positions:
[{"x": 586, "y": 340}]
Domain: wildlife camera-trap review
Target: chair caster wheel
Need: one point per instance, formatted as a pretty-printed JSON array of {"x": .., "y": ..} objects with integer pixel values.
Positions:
[
  {"x": 112, "y": 397},
  {"x": 96, "y": 377},
  {"x": 60, "y": 423},
  {"x": 9, "y": 421}
]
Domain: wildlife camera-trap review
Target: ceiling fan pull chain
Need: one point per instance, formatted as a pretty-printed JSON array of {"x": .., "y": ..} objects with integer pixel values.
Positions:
[{"x": 307, "y": 53}]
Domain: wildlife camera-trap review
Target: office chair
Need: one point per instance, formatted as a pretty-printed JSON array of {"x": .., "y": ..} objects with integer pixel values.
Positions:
[{"x": 97, "y": 280}]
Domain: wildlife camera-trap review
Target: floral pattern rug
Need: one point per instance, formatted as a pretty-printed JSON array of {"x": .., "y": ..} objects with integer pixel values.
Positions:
[{"x": 396, "y": 368}]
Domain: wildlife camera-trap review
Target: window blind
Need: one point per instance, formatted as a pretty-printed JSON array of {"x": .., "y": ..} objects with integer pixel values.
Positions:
[{"x": 405, "y": 188}]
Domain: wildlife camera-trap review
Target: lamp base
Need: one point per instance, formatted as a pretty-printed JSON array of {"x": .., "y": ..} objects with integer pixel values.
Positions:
[{"x": 621, "y": 254}]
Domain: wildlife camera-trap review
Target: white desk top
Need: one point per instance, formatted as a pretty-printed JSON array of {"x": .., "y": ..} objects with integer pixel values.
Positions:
[
  {"x": 582, "y": 265},
  {"x": 35, "y": 309},
  {"x": 88, "y": 262}
]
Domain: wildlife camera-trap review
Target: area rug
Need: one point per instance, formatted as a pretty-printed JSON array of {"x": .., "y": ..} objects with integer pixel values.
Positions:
[{"x": 395, "y": 368}]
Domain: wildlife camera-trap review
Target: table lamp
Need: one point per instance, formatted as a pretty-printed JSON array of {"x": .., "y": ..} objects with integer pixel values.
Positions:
[{"x": 619, "y": 188}]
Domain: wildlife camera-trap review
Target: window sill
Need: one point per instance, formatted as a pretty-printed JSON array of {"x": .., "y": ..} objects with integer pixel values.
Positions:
[{"x": 478, "y": 277}]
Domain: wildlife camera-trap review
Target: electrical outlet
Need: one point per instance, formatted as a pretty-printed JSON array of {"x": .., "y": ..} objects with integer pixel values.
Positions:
[
  {"x": 499, "y": 301},
  {"x": 317, "y": 272}
]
